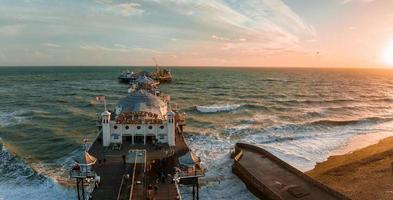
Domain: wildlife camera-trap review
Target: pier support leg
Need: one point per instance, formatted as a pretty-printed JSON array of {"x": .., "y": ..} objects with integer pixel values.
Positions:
[
  {"x": 83, "y": 190},
  {"x": 197, "y": 190},
  {"x": 193, "y": 191},
  {"x": 77, "y": 188}
]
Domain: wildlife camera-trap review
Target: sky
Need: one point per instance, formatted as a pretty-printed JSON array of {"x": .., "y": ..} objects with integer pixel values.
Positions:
[{"x": 285, "y": 33}]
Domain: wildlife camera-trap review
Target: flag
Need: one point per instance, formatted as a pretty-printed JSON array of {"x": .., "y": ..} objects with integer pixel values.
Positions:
[
  {"x": 100, "y": 98},
  {"x": 167, "y": 98}
]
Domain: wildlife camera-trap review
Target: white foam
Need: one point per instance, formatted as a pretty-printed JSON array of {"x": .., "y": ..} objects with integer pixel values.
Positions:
[
  {"x": 12, "y": 118},
  {"x": 58, "y": 170},
  {"x": 303, "y": 148},
  {"x": 215, "y": 155},
  {"x": 361, "y": 141},
  {"x": 41, "y": 190},
  {"x": 300, "y": 148},
  {"x": 217, "y": 108},
  {"x": 19, "y": 182}
]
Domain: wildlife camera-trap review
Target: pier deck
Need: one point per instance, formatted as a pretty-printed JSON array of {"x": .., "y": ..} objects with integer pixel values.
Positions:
[
  {"x": 113, "y": 169},
  {"x": 271, "y": 178}
]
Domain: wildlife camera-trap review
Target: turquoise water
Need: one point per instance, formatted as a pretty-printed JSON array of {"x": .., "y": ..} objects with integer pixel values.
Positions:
[{"x": 301, "y": 115}]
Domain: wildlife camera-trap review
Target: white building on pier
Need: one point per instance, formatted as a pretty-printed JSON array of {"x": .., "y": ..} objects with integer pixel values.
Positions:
[{"x": 142, "y": 117}]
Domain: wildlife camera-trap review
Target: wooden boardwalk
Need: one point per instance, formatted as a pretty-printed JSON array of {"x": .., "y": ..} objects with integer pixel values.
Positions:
[
  {"x": 160, "y": 162},
  {"x": 111, "y": 174},
  {"x": 271, "y": 178}
]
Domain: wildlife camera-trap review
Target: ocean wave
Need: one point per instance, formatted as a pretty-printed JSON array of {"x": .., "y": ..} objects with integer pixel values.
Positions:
[
  {"x": 218, "y": 108},
  {"x": 385, "y": 100},
  {"x": 271, "y": 79},
  {"x": 14, "y": 170},
  {"x": 19, "y": 181},
  {"x": 215, "y": 155},
  {"x": 57, "y": 171},
  {"x": 238, "y": 131},
  {"x": 327, "y": 122},
  {"x": 315, "y": 101},
  {"x": 13, "y": 118}
]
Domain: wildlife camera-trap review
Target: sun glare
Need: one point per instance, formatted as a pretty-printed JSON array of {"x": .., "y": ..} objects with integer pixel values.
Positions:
[{"x": 387, "y": 55}]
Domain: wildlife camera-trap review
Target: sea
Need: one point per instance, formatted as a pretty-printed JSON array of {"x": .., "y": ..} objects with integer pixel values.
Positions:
[{"x": 301, "y": 115}]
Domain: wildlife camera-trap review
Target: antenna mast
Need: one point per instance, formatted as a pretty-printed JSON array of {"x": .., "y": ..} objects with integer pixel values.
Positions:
[{"x": 155, "y": 61}]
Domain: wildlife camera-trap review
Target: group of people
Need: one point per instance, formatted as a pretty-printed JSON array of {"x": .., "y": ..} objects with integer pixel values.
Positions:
[{"x": 138, "y": 117}]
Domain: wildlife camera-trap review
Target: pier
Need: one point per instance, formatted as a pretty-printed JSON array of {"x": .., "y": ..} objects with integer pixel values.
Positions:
[{"x": 125, "y": 176}]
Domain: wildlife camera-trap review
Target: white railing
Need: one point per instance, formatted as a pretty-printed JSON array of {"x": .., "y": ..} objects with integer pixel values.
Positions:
[
  {"x": 121, "y": 188},
  {"x": 133, "y": 178},
  {"x": 95, "y": 138},
  {"x": 191, "y": 173},
  {"x": 83, "y": 171},
  {"x": 178, "y": 190}
]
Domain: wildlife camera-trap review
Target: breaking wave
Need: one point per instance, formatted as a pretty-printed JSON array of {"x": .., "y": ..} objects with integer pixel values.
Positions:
[
  {"x": 215, "y": 155},
  {"x": 19, "y": 181},
  {"x": 57, "y": 171},
  {"x": 218, "y": 108},
  {"x": 350, "y": 122}
]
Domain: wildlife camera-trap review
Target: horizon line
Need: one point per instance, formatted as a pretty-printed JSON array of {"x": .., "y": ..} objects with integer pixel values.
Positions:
[{"x": 202, "y": 66}]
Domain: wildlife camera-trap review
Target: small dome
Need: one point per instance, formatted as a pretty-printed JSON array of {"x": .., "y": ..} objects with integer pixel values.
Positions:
[
  {"x": 142, "y": 101},
  {"x": 145, "y": 80},
  {"x": 105, "y": 113}
]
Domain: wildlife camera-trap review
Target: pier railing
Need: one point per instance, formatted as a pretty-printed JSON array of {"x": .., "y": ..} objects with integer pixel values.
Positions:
[
  {"x": 84, "y": 171},
  {"x": 120, "y": 188},
  {"x": 178, "y": 191},
  {"x": 191, "y": 173}
]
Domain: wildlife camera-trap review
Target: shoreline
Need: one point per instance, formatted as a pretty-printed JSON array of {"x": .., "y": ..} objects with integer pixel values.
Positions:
[
  {"x": 360, "y": 173},
  {"x": 359, "y": 142}
]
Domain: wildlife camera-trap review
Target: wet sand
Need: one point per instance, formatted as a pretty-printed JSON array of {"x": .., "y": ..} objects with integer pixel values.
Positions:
[{"x": 363, "y": 174}]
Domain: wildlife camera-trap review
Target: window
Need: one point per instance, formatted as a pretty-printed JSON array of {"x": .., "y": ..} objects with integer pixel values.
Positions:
[
  {"x": 115, "y": 127},
  {"x": 127, "y": 127},
  {"x": 138, "y": 127},
  {"x": 150, "y": 127},
  {"x": 115, "y": 136},
  {"x": 161, "y": 127},
  {"x": 162, "y": 136}
]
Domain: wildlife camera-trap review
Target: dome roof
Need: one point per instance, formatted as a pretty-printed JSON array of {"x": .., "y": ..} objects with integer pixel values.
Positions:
[
  {"x": 142, "y": 101},
  {"x": 145, "y": 80}
]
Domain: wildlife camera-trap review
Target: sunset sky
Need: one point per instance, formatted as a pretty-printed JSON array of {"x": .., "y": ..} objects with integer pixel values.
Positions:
[{"x": 290, "y": 33}]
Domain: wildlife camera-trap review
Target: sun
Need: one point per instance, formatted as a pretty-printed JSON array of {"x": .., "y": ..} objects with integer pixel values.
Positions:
[{"x": 387, "y": 54}]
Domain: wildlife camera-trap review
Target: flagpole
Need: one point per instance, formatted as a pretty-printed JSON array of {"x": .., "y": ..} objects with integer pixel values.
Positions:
[{"x": 105, "y": 104}]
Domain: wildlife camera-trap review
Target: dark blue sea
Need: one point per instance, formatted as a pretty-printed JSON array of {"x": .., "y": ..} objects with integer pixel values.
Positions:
[{"x": 301, "y": 115}]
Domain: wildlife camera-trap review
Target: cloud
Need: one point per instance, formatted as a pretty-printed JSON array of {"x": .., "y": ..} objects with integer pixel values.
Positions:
[
  {"x": 265, "y": 23},
  {"x": 104, "y": 1},
  {"x": 10, "y": 30},
  {"x": 201, "y": 29},
  {"x": 361, "y": 1},
  {"x": 52, "y": 45},
  {"x": 123, "y": 9},
  {"x": 215, "y": 37},
  {"x": 126, "y": 9},
  {"x": 115, "y": 48}
]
